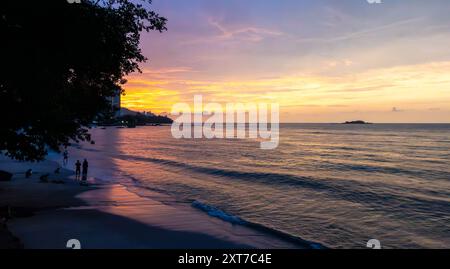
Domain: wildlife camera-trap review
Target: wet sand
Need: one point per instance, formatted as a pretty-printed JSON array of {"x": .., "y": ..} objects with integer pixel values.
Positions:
[{"x": 108, "y": 216}]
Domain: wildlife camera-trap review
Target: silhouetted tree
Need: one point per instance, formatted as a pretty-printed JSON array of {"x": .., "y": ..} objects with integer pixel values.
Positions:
[{"x": 59, "y": 62}]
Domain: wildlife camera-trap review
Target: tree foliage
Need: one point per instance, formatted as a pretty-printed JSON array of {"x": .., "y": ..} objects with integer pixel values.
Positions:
[{"x": 59, "y": 63}]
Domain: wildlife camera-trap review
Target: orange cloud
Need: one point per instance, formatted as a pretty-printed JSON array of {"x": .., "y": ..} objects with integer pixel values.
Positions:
[{"x": 415, "y": 87}]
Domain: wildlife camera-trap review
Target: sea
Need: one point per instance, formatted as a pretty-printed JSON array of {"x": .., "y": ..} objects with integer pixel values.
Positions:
[{"x": 333, "y": 184}]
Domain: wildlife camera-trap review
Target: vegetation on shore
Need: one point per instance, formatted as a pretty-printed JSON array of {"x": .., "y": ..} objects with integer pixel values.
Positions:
[
  {"x": 60, "y": 63},
  {"x": 139, "y": 119}
]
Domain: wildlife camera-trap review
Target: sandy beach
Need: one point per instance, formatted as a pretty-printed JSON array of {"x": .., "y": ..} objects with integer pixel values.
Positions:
[{"x": 108, "y": 216}]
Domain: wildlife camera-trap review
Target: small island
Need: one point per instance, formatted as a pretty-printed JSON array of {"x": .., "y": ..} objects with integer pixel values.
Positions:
[{"x": 356, "y": 122}]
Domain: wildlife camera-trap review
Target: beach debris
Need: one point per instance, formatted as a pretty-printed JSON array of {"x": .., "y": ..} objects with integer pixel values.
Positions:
[
  {"x": 28, "y": 173},
  {"x": 5, "y": 176},
  {"x": 44, "y": 178}
]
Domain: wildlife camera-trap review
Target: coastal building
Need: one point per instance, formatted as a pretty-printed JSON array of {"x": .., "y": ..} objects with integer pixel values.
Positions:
[{"x": 116, "y": 104}]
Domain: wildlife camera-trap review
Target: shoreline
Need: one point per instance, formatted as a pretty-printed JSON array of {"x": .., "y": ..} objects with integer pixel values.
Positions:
[
  {"x": 109, "y": 216},
  {"x": 24, "y": 198}
]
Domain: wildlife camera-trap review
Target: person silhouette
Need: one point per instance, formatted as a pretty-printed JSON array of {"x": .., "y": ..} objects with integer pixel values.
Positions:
[
  {"x": 85, "y": 170},
  {"x": 77, "y": 170},
  {"x": 65, "y": 157}
]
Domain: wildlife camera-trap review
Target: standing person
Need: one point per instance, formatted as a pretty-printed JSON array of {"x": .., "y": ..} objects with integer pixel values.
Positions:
[
  {"x": 78, "y": 170},
  {"x": 85, "y": 170},
  {"x": 65, "y": 157}
]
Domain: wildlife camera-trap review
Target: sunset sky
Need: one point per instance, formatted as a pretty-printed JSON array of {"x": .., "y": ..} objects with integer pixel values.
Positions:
[{"x": 321, "y": 60}]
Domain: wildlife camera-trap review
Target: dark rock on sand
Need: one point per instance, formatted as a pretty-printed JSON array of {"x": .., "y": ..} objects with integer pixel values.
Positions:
[
  {"x": 44, "y": 178},
  {"x": 29, "y": 173},
  {"x": 5, "y": 176}
]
